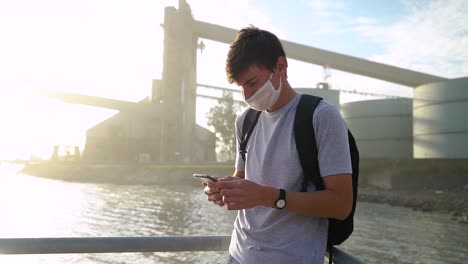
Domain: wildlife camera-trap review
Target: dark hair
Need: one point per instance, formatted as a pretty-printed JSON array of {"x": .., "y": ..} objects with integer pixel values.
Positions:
[{"x": 252, "y": 46}]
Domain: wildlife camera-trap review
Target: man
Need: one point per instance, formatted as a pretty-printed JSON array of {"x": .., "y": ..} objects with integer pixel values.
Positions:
[{"x": 276, "y": 223}]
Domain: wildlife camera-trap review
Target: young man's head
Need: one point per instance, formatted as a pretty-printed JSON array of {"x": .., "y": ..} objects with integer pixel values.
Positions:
[{"x": 253, "y": 46}]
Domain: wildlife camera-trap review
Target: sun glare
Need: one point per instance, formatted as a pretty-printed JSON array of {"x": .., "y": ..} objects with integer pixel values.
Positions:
[{"x": 31, "y": 126}]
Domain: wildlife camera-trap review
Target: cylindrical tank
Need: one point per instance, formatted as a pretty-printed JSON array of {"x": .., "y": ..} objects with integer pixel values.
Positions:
[
  {"x": 331, "y": 96},
  {"x": 441, "y": 119},
  {"x": 382, "y": 128}
]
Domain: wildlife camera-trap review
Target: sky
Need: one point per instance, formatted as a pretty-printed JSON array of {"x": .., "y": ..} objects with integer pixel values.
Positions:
[{"x": 113, "y": 49}]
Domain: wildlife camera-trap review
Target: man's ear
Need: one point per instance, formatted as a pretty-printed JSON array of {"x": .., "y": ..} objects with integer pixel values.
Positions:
[{"x": 282, "y": 64}]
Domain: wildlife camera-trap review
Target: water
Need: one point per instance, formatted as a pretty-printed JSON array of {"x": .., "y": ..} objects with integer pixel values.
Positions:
[{"x": 35, "y": 207}]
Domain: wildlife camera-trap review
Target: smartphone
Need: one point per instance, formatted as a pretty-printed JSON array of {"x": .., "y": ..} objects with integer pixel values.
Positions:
[{"x": 204, "y": 178}]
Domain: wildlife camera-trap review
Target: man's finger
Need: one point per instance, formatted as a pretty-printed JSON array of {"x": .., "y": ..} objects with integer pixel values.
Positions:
[
  {"x": 229, "y": 192},
  {"x": 225, "y": 184},
  {"x": 210, "y": 190},
  {"x": 232, "y": 199},
  {"x": 230, "y": 178},
  {"x": 233, "y": 206},
  {"x": 214, "y": 197},
  {"x": 219, "y": 202}
]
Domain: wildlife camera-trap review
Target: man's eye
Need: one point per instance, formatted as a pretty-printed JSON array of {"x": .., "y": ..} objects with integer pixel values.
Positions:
[{"x": 252, "y": 84}]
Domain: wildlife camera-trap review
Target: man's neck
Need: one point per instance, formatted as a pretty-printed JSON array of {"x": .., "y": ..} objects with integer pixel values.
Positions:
[{"x": 287, "y": 94}]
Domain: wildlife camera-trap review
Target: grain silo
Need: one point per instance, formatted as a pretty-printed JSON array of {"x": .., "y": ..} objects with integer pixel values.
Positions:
[
  {"x": 382, "y": 128},
  {"x": 441, "y": 119}
]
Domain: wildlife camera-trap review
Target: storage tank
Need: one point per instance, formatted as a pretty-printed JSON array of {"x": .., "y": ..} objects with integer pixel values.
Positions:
[
  {"x": 441, "y": 119},
  {"x": 331, "y": 96},
  {"x": 382, "y": 128}
]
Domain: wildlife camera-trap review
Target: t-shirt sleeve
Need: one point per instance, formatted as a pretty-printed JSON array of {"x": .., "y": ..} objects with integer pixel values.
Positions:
[{"x": 331, "y": 134}]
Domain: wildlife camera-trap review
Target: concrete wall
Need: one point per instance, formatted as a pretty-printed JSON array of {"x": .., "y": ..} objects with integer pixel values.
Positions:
[{"x": 414, "y": 174}]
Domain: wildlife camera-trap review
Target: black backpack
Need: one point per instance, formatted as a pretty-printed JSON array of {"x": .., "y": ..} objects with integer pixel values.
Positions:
[{"x": 338, "y": 230}]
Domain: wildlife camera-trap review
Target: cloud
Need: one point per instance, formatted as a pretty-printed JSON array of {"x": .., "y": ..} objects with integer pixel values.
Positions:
[
  {"x": 335, "y": 17},
  {"x": 103, "y": 48},
  {"x": 323, "y": 8},
  {"x": 233, "y": 14},
  {"x": 428, "y": 36},
  {"x": 431, "y": 37}
]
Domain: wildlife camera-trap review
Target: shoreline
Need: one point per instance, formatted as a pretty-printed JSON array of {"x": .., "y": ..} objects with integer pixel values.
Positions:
[{"x": 451, "y": 202}]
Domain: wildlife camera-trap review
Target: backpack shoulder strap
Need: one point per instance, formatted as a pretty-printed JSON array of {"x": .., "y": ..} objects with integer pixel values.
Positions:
[
  {"x": 306, "y": 145},
  {"x": 250, "y": 120}
]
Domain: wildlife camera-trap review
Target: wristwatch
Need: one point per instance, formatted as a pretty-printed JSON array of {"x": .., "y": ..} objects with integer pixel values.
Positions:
[{"x": 281, "y": 202}]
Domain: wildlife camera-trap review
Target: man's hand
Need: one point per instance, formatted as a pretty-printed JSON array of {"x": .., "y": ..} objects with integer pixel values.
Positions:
[
  {"x": 213, "y": 194},
  {"x": 237, "y": 193}
]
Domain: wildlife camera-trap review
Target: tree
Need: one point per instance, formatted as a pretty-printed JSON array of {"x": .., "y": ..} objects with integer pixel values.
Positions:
[{"x": 222, "y": 118}]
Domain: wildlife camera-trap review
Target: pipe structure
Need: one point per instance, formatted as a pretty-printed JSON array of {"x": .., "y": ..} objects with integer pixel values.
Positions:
[{"x": 329, "y": 59}]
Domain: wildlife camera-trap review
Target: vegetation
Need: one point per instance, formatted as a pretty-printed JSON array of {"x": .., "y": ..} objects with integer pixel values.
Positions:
[{"x": 222, "y": 118}]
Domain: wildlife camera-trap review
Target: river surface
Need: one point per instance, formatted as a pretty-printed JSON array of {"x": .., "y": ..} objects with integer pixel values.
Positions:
[{"x": 35, "y": 207}]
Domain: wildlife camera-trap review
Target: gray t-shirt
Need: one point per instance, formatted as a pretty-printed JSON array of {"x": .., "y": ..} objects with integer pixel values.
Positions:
[{"x": 269, "y": 235}]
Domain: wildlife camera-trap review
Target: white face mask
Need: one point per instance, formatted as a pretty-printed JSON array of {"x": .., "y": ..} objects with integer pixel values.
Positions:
[{"x": 265, "y": 97}]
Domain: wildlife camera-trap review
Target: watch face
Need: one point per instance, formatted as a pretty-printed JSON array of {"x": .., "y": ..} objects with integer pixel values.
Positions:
[{"x": 280, "y": 203}]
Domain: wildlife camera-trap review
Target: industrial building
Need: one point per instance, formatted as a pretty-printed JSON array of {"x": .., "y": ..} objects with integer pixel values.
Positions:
[
  {"x": 433, "y": 125},
  {"x": 135, "y": 136}
]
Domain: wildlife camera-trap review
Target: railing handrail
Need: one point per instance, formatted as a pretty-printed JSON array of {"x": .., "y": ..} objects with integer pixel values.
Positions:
[
  {"x": 67, "y": 245},
  {"x": 62, "y": 245}
]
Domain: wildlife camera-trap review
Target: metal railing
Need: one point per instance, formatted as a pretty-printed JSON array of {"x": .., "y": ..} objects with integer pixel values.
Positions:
[{"x": 67, "y": 245}]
